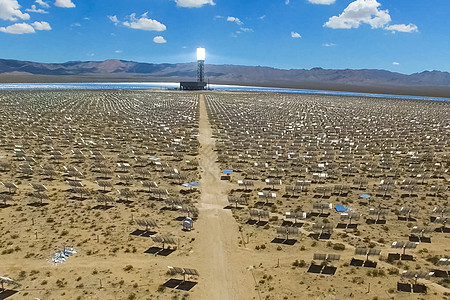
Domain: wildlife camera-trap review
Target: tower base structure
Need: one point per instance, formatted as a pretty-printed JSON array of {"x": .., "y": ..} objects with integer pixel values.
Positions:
[{"x": 192, "y": 86}]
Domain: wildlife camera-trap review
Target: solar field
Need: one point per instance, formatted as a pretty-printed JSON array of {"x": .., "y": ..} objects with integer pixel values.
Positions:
[{"x": 111, "y": 175}]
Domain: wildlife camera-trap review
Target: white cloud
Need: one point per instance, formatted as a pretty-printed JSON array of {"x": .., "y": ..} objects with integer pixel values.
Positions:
[
  {"x": 286, "y": 2},
  {"x": 194, "y": 3},
  {"x": 396, "y": 63},
  {"x": 18, "y": 28},
  {"x": 34, "y": 9},
  {"x": 295, "y": 35},
  {"x": 402, "y": 28},
  {"x": 41, "y": 26},
  {"x": 329, "y": 45},
  {"x": 114, "y": 19},
  {"x": 159, "y": 40},
  {"x": 22, "y": 28},
  {"x": 244, "y": 29},
  {"x": 366, "y": 12},
  {"x": 64, "y": 3},
  {"x": 144, "y": 23},
  {"x": 42, "y": 3},
  {"x": 358, "y": 12},
  {"x": 10, "y": 10},
  {"x": 262, "y": 17},
  {"x": 325, "y": 2},
  {"x": 235, "y": 20},
  {"x": 118, "y": 51}
]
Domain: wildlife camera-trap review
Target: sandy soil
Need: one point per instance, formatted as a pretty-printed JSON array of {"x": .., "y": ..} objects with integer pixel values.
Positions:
[{"x": 225, "y": 274}]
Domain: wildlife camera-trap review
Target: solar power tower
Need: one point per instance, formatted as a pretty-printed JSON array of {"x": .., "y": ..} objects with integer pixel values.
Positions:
[
  {"x": 201, "y": 64},
  {"x": 200, "y": 84}
]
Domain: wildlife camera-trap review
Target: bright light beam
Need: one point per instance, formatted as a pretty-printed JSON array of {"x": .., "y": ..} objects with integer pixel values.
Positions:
[{"x": 201, "y": 54}]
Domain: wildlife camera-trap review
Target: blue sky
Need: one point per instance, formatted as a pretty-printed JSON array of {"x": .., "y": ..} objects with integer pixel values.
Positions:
[{"x": 405, "y": 36}]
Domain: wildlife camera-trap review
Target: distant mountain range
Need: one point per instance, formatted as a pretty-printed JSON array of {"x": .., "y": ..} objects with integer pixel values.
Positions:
[{"x": 433, "y": 83}]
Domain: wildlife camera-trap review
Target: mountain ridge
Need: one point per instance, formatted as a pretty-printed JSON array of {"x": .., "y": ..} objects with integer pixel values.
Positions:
[{"x": 336, "y": 79}]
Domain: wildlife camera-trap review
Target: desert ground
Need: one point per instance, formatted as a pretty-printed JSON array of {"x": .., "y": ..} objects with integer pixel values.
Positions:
[{"x": 112, "y": 175}]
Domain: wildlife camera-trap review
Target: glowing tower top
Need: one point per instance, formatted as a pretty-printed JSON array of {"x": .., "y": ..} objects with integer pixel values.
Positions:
[{"x": 201, "y": 54}]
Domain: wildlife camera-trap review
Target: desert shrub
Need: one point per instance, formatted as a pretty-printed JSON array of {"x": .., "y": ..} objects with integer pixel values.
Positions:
[
  {"x": 302, "y": 264},
  {"x": 376, "y": 273},
  {"x": 339, "y": 247},
  {"x": 131, "y": 296},
  {"x": 358, "y": 280},
  {"x": 60, "y": 283},
  {"x": 7, "y": 251},
  {"x": 393, "y": 271}
]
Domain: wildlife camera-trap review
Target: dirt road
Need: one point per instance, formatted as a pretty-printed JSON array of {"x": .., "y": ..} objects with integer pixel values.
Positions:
[{"x": 223, "y": 270}]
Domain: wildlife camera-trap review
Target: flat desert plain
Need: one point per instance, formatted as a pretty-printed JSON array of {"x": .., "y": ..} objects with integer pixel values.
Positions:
[{"x": 290, "y": 196}]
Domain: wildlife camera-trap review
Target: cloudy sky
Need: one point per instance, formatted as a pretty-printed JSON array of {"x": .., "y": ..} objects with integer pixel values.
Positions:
[{"x": 406, "y": 36}]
